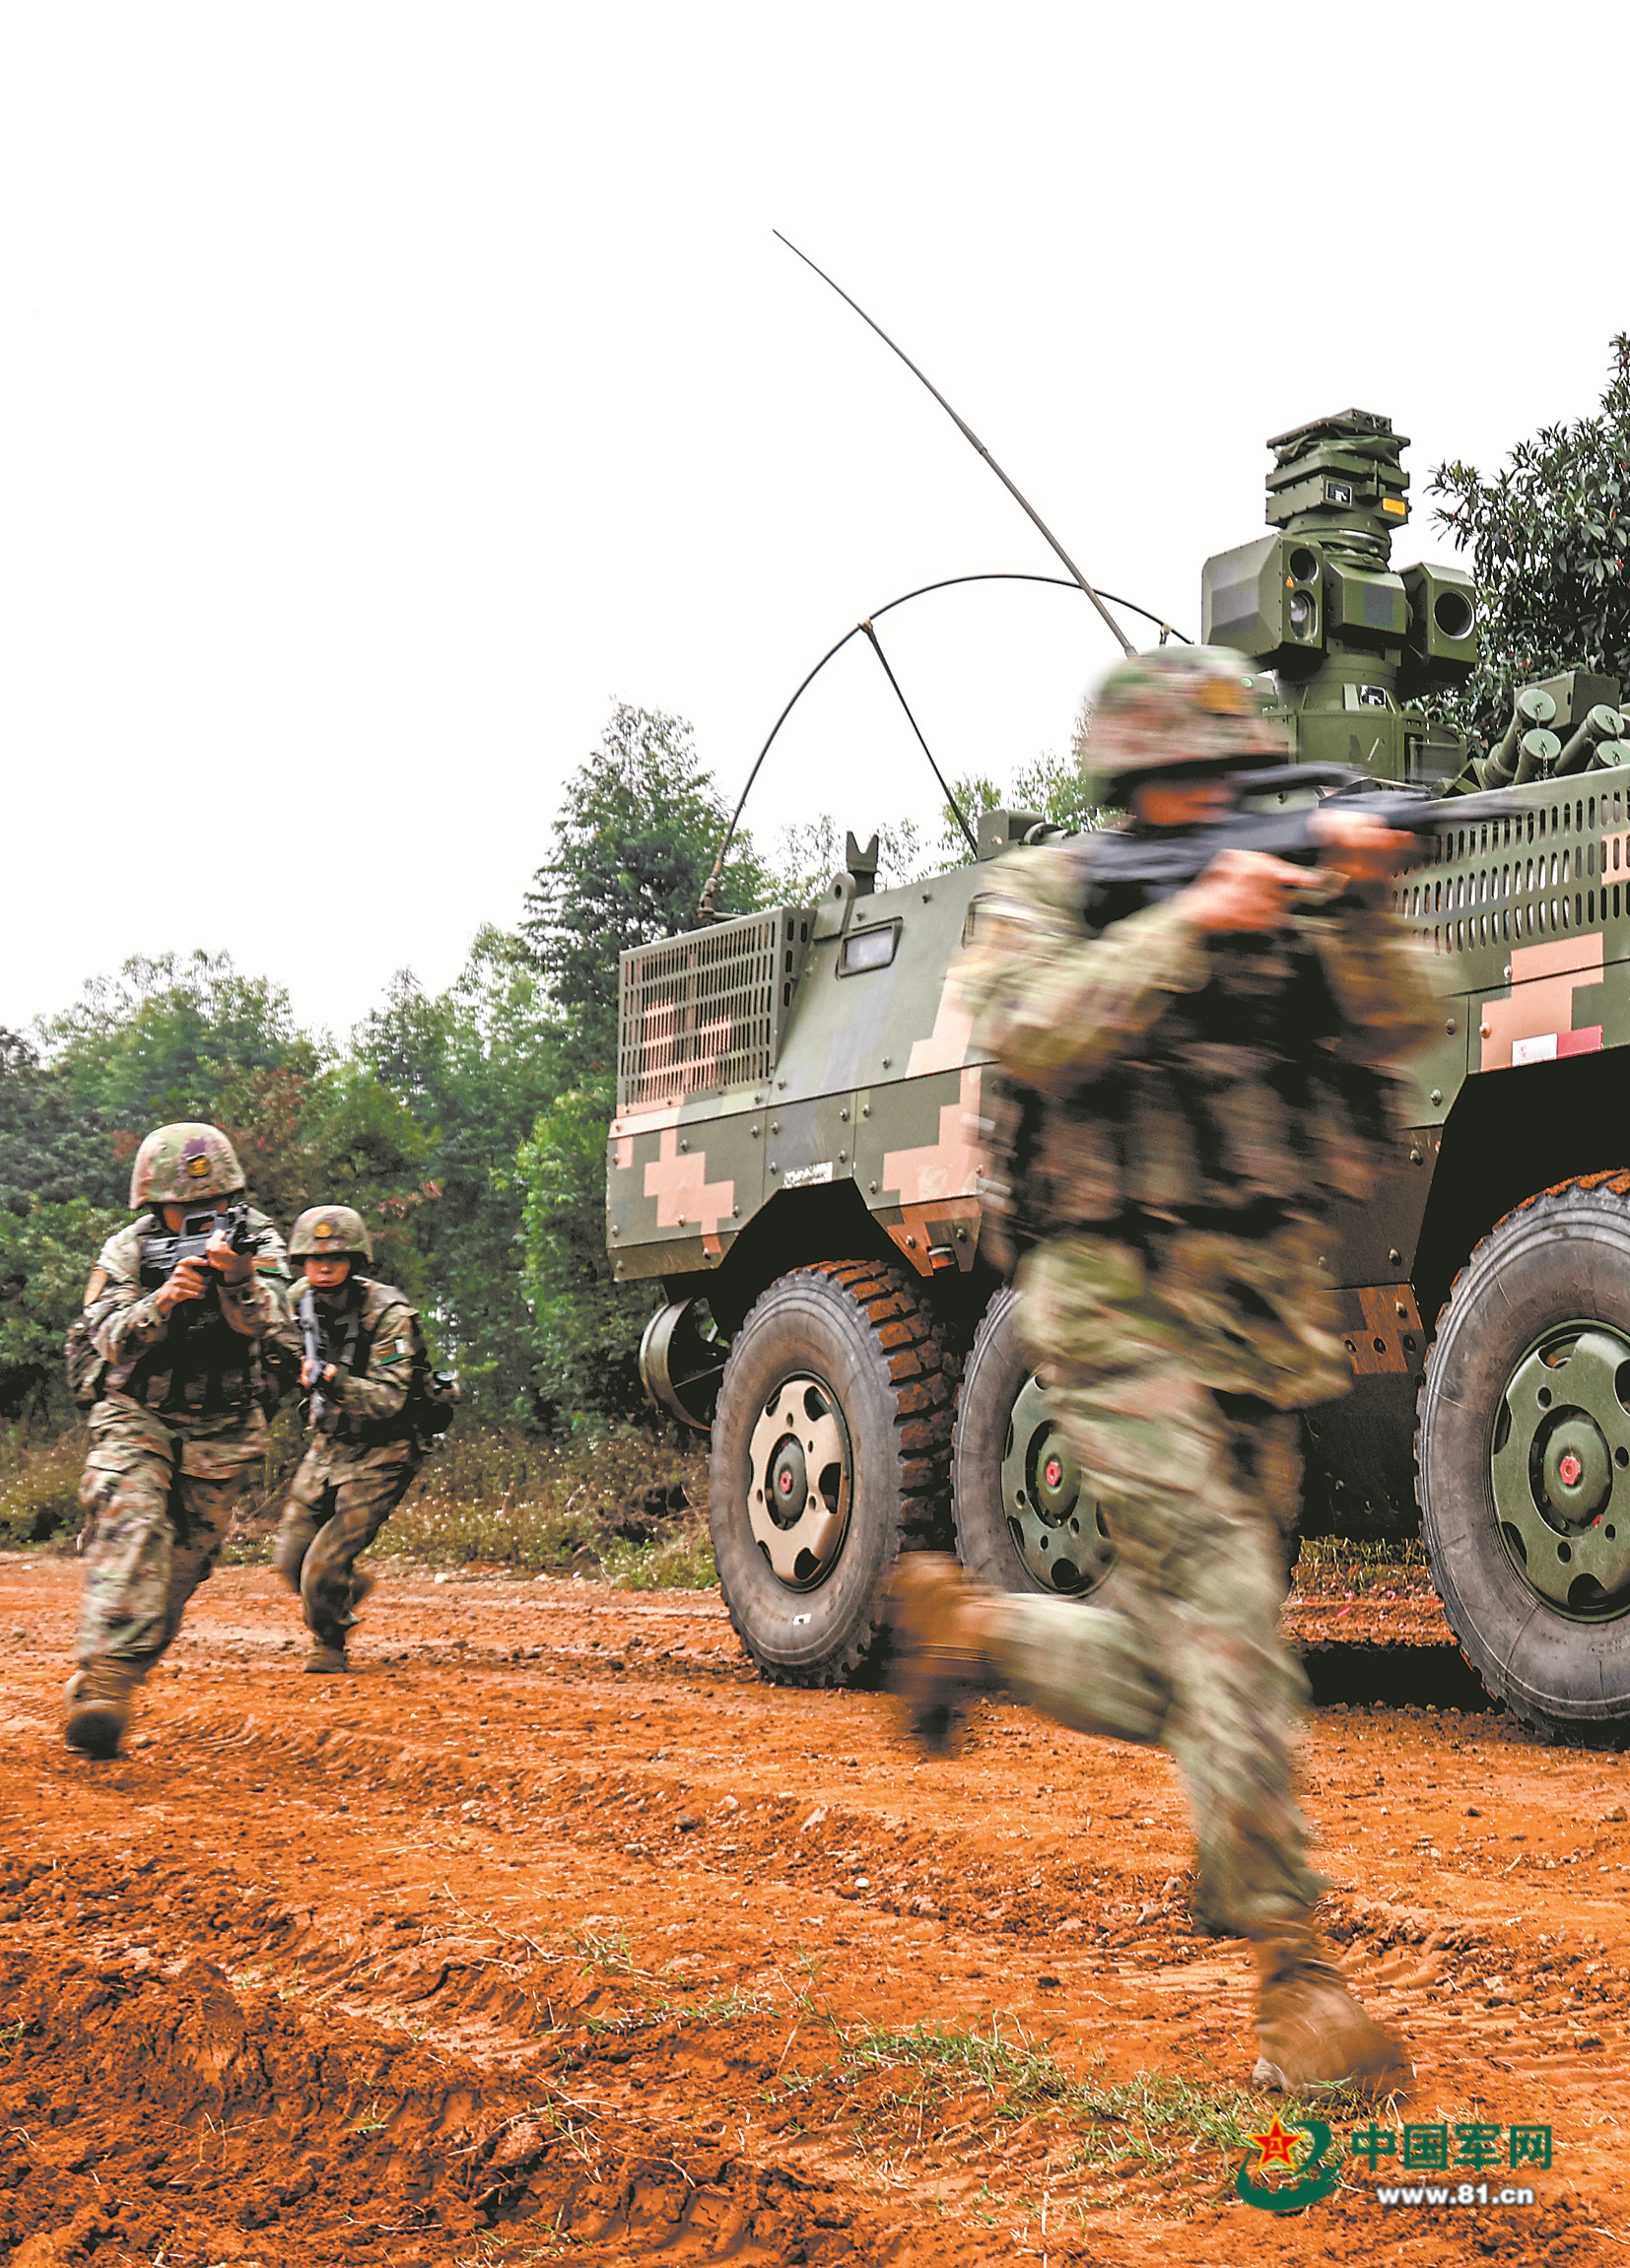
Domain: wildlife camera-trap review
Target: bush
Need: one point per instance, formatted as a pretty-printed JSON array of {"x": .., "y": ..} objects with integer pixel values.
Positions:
[
  {"x": 600, "y": 1506},
  {"x": 40, "y": 1487}
]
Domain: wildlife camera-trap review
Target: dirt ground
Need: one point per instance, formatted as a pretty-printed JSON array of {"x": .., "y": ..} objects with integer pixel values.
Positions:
[{"x": 554, "y": 1934}]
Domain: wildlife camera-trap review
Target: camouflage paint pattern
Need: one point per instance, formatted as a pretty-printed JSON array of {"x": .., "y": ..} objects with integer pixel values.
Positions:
[
  {"x": 183, "y": 1165},
  {"x": 174, "y": 1440},
  {"x": 1181, "y": 705},
  {"x": 159, "y": 1495},
  {"x": 337, "y": 1503},
  {"x": 1201, "y": 1490},
  {"x": 368, "y": 1404},
  {"x": 871, "y": 1083},
  {"x": 328, "y": 1231},
  {"x": 1204, "y": 1099},
  {"x": 1180, "y": 1073}
]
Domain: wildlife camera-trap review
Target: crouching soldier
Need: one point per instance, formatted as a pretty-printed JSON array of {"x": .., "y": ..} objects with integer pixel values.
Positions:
[
  {"x": 364, "y": 1365},
  {"x": 167, "y": 1358}
]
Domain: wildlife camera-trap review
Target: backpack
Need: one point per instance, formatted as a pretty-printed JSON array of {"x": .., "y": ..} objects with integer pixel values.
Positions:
[
  {"x": 433, "y": 1404},
  {"x": 85, "y": 1367}
]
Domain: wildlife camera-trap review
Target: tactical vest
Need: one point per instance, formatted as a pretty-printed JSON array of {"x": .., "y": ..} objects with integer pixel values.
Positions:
[
  {"x": 1238, "y": 1108},
  {"x": 202, "y": 1368},
  {"x": 348, "y": 1332}
]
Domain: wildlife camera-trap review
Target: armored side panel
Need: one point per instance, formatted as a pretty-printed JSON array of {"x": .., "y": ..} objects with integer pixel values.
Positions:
[{"x": 797, "y": 1051}]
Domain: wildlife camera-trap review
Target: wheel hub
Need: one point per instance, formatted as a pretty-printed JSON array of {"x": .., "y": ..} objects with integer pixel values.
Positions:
[
  {"x": 1560, "y": 1466},
  {"x": 1060, "y": 1537},
  {"x": 800, "y": 1481}
]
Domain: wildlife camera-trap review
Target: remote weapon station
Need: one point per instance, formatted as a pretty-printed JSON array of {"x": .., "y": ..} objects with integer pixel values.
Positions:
[{"x": 795, "y": 1164}]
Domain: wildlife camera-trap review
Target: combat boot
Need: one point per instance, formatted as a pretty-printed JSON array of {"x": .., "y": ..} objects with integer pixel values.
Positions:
[
  {"x": 1310, "y": 2028},
  {"x": 326, "y": 1662},
  {"x": 944, "y": 1627},
  {"x": 99, "y": 1706}
]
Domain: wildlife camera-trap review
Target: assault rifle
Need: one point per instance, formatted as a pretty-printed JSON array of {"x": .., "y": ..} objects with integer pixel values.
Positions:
[
  {"x": 162, "y": 1255},
  {"x": 1161, "y": 862},
  {"x": 310, "y": 1338}
]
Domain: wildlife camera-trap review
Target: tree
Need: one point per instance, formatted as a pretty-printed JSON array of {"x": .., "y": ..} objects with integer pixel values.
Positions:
[
  {"x": 585, "y": 1326},
  {"x": 180, "y": 1036},
  {"x": 1548, "y": 544},
  {"x": 634, "y": 846},
  {"x": 475, "y": 1065},
  {"x": 54, "y": 1147}
]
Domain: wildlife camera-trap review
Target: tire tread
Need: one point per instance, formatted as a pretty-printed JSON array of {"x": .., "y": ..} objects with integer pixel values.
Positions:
[{"x": 921, "y": 1371}]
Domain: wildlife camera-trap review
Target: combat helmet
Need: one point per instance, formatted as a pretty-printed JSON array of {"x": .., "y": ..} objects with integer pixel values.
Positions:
[
  {"x": 1179, "y": 705},
  {"x": 178, "y": 1164},
  {"x": 331, "y": 1233}
]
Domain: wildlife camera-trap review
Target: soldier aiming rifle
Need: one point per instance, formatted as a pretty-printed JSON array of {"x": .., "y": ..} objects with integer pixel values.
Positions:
[
  {"x": 374, "y": 1408},
  {"x": 168, "y": 1361},
  {"x": 1194, "y": 1077}
]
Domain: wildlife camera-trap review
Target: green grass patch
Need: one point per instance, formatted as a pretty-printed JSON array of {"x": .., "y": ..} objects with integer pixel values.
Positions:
[
  {"x": 494, "y": 1496},
  {"x": 39, "y": 1486}
]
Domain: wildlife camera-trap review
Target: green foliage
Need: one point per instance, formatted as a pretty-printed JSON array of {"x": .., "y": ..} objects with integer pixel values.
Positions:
[
  {"x": 467, "y": 1127},
  {"x": 53, "y": 1144},
  {"x": 475, "y": 1066},
  {"x": 45, "y": 1255},
  {"x": 634, "y": 846},
  {"x": 166, "y": 1037},
  {"x": 585, "y": 1326},
  {"x": 811, "y": 851},
  {"x": 1548, "y": 544},
  {"x": 1049, "y": 784},
  {"x": 40, "y": 1487},
  {"x": 496, "y": 1496}
]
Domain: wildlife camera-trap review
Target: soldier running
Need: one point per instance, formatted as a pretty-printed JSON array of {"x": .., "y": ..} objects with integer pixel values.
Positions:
[
  {"x": 177, "y": 1425},
  {"x": 1194, "y": 1083},
  {"x": 365, "y": 1446}
]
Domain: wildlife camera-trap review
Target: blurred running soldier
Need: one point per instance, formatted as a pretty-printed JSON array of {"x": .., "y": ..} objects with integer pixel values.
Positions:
[
  {"x": 172, "y": 1365},
  {"x": 1192, "y": 1083},
  {"x": 365, "y": 1445}
]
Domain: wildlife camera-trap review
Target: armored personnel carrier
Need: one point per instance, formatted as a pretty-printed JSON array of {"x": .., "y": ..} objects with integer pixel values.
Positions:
[{"x": 796, "y": 1161}]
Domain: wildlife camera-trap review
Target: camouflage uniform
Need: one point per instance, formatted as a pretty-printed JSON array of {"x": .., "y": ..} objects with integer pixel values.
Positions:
[
  {"x": 175, "y": 1437},
  {"x": 358, "y": 1470},
  {"x": 1195, "y": 1101}
]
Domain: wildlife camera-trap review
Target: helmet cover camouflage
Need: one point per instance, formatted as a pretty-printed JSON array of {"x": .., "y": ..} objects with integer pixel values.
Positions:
[
  {"x": 331, "y": 1233},
  {"x": 1177, "y": 707},
  {"x": 177, "y": 1164}
]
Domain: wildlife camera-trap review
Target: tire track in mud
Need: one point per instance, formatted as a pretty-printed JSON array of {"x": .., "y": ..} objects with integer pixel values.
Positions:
[{"x": 589, "y": 1954}]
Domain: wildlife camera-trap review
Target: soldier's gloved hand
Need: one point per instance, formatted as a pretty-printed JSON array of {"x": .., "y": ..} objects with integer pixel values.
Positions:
[
  {"x": 1245, "y": 889},
  {"x": 185, "y": 1282},
  {"x": 233, "y": 1267},
  {"x": 1363, "y": 848}
]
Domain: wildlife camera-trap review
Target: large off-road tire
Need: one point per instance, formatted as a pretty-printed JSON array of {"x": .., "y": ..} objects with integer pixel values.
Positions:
[
  {"x": 831, "y": 1454},
  {"x": 1524, "y": 1459},
  {"x": 1022, "y": 1523}
]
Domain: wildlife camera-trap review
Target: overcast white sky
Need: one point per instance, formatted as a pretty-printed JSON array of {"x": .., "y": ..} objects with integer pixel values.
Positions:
[{"x": 387, "y": 390}]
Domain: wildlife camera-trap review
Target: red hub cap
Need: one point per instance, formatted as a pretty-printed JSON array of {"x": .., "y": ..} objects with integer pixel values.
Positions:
[
  {"x": 1052, "y": 1472},
  {"x": 1569, "y": 1470}
]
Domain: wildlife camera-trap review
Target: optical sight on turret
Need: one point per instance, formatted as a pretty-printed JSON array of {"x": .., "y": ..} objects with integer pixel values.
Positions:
[{"x": 1353, "y": 643}]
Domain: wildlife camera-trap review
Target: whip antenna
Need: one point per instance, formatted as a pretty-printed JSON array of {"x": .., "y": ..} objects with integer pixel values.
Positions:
[{"x": 969, "y": 434}]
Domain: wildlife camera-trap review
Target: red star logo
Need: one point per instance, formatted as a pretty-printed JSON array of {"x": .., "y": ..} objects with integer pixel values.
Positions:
[{"x": 1278, "y": 2145}]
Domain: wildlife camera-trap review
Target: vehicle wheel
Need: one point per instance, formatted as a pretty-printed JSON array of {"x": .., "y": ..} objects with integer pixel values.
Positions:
[
  {"x": 1524, "y": 1460},
  {"x": 1021, "y": 1522},
  {"x": 829, "y": 1456}
]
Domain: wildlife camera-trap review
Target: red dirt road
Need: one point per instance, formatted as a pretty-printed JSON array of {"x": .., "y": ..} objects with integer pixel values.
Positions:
[{"x": 555, "y": 1935}]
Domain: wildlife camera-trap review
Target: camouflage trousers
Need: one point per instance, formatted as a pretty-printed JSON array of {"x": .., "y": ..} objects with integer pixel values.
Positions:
[
  {"x": 1174, "y": 1364},
  {"x": 159, "y": 1493},
  {"x": 338, "y": 1502}
]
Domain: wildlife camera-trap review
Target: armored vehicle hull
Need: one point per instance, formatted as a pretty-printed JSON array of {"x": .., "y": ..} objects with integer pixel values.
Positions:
[{"x": 796, "y": 1161}]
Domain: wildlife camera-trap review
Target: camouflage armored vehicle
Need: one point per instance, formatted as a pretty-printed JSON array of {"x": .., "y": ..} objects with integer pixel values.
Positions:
[{"x": 795, "y": 1160}]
